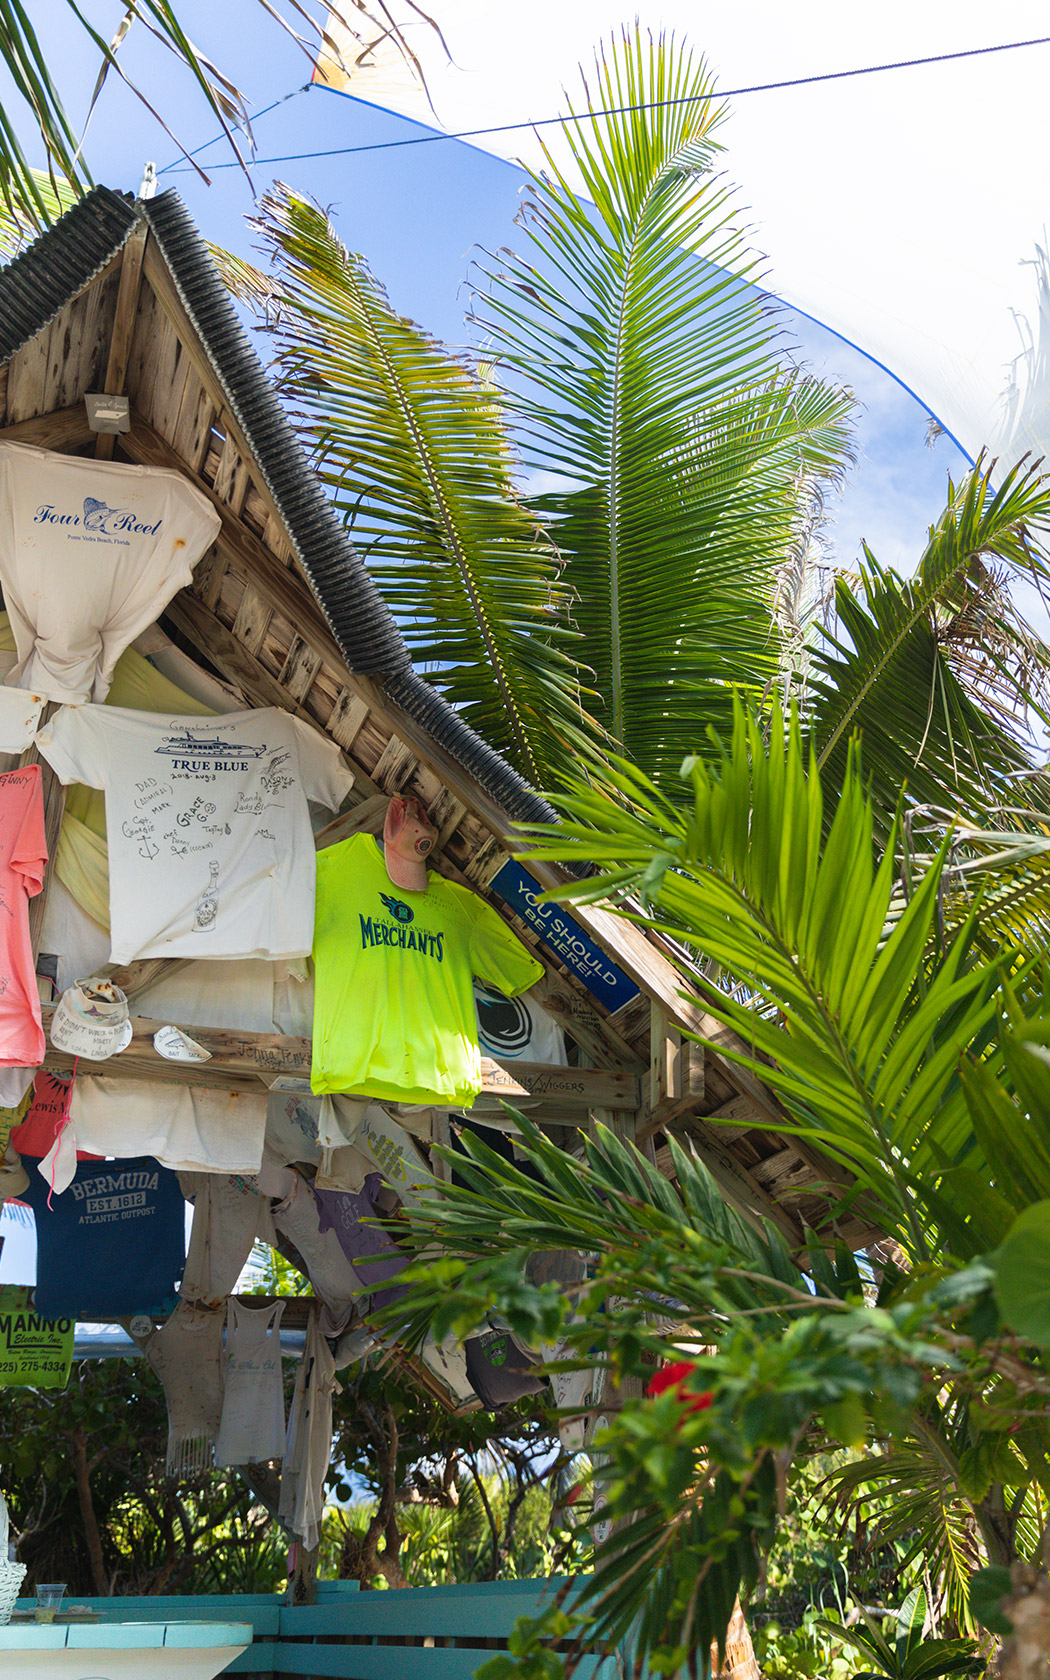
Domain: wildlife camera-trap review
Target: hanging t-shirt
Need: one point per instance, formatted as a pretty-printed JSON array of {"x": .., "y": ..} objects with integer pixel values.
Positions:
[
  {"x": 211, "y": 853},
  {"x": 517, "y": 1029},
  {"x": 48, "y": 1112},
  {"x": 90, "y": 553},
  {"x": 252, "y": 1428},
  {"x": 111, "y": 1245},
  {"x": 373, "y": 1254},
  {"x": 19, "y": 718},
  {"x": 23, "y": 857},
  {"x": 191, "y": 1128},
  {"x": 394, "y": 1015}
]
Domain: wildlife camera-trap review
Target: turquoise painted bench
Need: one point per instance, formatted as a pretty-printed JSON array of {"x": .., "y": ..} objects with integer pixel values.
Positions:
[{"x": 426, "y": 1633}]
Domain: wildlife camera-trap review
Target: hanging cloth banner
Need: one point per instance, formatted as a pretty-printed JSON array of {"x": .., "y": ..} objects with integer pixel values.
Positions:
[
  {"x": 35, "y": 1352},
  {"x": 564, "y": 935}
]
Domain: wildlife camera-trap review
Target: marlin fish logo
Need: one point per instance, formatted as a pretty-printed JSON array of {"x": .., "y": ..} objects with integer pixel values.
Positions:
[
  {"x": 96, "y": 514},
  {"x": 400, "y": 911}
]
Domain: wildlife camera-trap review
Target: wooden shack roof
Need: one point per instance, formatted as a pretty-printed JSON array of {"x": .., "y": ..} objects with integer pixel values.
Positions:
[{"x": 124, "y": 297}]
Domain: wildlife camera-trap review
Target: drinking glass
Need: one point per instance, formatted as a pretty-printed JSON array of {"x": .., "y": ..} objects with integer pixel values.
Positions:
[{"x": 49, "y": 1596}]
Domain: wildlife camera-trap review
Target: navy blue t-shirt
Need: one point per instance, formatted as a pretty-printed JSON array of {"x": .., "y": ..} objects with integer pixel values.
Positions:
[{"x": 112, "y": 1244}]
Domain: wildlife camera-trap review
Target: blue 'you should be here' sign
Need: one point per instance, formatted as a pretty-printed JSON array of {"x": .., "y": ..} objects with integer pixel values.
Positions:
[{"x": 565, "y": 936}]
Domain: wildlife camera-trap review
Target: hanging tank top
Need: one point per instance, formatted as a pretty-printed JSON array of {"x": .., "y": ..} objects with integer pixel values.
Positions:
[{"x": 252, "y": 1426}]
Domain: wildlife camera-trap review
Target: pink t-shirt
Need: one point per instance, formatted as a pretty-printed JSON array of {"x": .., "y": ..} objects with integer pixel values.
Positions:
[{"x": 23, "y": 856}]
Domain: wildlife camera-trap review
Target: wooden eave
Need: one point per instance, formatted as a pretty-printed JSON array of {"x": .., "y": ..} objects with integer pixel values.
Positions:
[{"x": 253, "y": 612}]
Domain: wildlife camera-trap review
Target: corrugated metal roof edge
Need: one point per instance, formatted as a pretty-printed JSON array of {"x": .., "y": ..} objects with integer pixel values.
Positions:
[
  {"x": 342, "y": 584},
  {"x": 359, "y": 618},
  {"x": 39, "y": 282}
]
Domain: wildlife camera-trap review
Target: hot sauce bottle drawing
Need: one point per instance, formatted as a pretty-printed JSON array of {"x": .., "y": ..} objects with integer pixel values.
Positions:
[{"x": 208, "y": 903}]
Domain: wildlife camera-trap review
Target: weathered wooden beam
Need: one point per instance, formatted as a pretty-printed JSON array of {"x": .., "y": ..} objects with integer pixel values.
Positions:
[
  {"x": 65, "y": 430},
  {"x": 665, "y": 1049},
  {"x": 567, "y": 1087},
  {"x": 123, "y": 328},
  {"x": 239, "y": 1060},
  {"x": 248, "y": 1058}
]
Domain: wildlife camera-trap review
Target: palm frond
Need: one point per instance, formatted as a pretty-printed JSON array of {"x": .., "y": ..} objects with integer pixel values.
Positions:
[
  {"x": 934, "y": 673},
  {"x": 412, "y": 444},
  {"x": 861, "y": 1030},
  {"x": 908, "y": 1496},
  {"x": 641, "y": 373}
]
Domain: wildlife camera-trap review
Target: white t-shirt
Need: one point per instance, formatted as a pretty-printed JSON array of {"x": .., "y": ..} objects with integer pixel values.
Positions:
[
  {"x": 90, "y": 553},
  {"x": 191, "y": 1128},
  {"x": 20, "y": 710},
  {"x": 211, "y": 853}
]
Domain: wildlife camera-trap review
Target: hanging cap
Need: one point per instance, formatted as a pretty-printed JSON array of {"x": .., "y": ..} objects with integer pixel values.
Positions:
[{"x": 92, "y": 1020}]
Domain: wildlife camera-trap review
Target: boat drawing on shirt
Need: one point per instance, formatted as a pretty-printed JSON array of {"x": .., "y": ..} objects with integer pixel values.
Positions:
[{"x": 180, "y": 746}]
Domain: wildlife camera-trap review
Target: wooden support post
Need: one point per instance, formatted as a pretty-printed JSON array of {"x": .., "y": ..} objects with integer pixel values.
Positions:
[
  {"x": 123, "y": 328},
  {"x": 665, "y": 1057}
]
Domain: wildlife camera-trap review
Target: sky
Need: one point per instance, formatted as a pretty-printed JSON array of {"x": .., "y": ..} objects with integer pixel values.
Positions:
[{"x": 422, "y": 216}]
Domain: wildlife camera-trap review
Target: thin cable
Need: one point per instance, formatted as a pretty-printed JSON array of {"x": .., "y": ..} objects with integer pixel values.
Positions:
[
  {"x": 619, "y": 110},
  {"x": 265, "y": 112}
]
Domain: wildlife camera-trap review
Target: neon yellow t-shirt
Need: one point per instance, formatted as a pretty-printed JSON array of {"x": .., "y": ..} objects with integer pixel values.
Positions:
[{"x": 394, "y": 1010}]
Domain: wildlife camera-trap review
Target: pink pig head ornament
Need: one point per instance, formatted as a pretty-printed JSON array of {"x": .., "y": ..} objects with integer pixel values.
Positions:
[{"x": 408, "y": 840}]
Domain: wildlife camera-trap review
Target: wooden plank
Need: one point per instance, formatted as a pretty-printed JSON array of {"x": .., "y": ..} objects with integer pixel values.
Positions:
[
  {"x": 395, "y": 766},
  {"x": 231, "y": 474},
  {"x": 299, "y": 669},
  {"x": 665, "y": 1049},
  {"x": 27, "y": 376},
  {"x": 247, "y": 1058},
  {"x": 568, "y": 1087},
  {"x": 734, "y": 1118},
  {"x": 252, "y": 621},
  {"x": 239, "y": 1060},
  {"x": 281, "y": 589},
  {"x": 87, "y": 342},
  {"x": 367, "y": 818},
  {"x": 192, "y": 433},
  {"x": 171, "y": 304},
  {"x": 346, "y": 718},
  {"x": 65, "y": 431},
  {"x": 689, "y": 1100}
]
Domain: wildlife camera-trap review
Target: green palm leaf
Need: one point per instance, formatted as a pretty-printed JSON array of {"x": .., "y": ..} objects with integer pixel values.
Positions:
[
  {"x": 641, "y": 373},
  {"x": 412, "y": 443},
  {"x": 903, "y": 674},
  {"x": 865, "y": 1032}
]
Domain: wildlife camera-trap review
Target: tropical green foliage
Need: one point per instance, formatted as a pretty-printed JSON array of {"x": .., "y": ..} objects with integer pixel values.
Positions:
[
  {"x": 936, "y": 673},
  {"x": 880, "y": 1041},
  {"x": 410, "y": 439},
  {"x": 902, "y": 1652}
]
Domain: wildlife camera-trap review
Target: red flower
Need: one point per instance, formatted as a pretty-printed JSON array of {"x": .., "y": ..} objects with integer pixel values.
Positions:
[{"x": 673, "y": 1377}]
